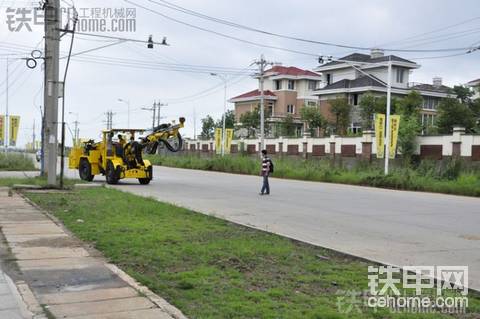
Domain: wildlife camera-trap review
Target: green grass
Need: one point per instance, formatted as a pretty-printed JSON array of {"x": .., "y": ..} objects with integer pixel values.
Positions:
[
  {"x": 16, "y": 162},
  {"x": 451, "y": 179},
  {"x": 210, "y": 268}
]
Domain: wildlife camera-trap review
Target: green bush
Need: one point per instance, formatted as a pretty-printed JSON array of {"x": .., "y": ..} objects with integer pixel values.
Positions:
[{"x": 16, "y": 162}]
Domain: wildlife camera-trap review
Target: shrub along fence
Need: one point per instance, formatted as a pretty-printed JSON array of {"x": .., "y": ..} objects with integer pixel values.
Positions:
[{"x": 456, "y": 145}]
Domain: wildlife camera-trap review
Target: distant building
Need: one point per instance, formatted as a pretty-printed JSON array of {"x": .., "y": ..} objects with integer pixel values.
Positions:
[
  {"x": 346, "y": 78},
  {"x": 286, "y": 91},
  {"x": 475, "y": 85}
]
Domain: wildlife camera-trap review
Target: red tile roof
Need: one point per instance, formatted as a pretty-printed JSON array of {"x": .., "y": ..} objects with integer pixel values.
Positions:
[
  {"x": 290, "y": 70},
  {"x": 254, "y": 93}
]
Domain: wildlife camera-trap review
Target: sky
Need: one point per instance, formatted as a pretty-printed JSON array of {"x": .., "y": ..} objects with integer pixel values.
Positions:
[{"x": 95, "y": 85}]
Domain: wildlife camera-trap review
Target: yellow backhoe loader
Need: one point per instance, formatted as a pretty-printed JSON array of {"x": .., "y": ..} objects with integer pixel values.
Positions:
[{"x": 119, "y": 154}]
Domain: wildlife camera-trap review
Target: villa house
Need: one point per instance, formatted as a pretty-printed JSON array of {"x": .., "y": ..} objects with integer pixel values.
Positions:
[
  {"x": 357, "y": 74},
  {"x": 286, "y": 91},
  {"x": 475, "y": 85}
]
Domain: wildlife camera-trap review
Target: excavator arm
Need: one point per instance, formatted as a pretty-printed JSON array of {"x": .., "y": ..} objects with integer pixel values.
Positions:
[{"x": 168, "y": 134}]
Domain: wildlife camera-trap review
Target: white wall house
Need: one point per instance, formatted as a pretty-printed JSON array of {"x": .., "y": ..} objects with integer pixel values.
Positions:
[{"x": 356, "y": 74}]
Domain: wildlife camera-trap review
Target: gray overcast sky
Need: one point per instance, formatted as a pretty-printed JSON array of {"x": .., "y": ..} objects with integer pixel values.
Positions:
[{"x": 92, "y": 88}]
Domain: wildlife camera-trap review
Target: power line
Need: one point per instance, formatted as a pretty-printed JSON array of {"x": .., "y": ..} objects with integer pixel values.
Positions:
[
  {"x": 239, "y": 26},
  {"x": 221, "y": 34},
  {"x": 434, "y": 31}
]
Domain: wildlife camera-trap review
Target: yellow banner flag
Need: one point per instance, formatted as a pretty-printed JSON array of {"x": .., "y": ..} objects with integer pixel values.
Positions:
[
  {"x": 380, "y": 134},
  {"x": 394, "y": 127},
  {"x": 218, "y": 140},
  {"x": 2, "y": 130},
  {"x": 14, "y": 126},
  {"x": 228, "y": 140}
]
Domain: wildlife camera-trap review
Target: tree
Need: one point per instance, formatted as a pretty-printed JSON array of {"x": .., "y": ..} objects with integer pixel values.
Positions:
[
  {"x": 229, "y": 120},
  {"x": 369, "y": 105},
  {"x": 288, "y": 126},
  {"x": 464, "y": 93},
  {"x": 313, "y": 117},
  {"x": 410, "y": 105},
  {"x": 408, "y": 130},
  {"x": 251, "y": 121},
  {"x": 208, "y": 127},
  {"x": 452, "y": 112},
  {"x": 341, "y": 110}
]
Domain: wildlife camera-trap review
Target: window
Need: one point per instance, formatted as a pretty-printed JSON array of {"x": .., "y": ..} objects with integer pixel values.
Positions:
[
  {"x": 329, "y": 78},
  {"x": 430, "y": 103},
  {"x": 312, "y": 85},
  {"x": 311, "y": 103},
  {"x": 278, "y": 85},
  {"x": 291, "y": 84},
  {"x": 354, "y": 99},
  {"x": 291, "y": 108},
  {"x": 400, "y": 74}
]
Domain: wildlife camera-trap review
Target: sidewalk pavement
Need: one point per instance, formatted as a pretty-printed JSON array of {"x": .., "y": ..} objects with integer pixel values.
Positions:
[{"x": 67, "y": 278}]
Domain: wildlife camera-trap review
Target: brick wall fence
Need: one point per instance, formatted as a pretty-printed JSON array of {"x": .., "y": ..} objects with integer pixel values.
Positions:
[{"x": 458, "y": 144}]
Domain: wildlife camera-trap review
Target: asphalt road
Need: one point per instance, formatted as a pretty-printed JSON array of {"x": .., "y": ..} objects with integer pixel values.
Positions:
[{"x": 393, "y": 227}]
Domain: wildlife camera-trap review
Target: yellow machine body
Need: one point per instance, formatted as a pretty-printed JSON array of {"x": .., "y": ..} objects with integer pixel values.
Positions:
[{"x": 119, "y": 159}]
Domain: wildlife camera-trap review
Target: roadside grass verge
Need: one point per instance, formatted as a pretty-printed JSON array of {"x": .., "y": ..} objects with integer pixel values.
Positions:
[
  {"x": 210, "y": 268},
  {"x": 16, "y": 162},
  {"x": 38, "y": 181},
  {"x": 450, "y": 180}
]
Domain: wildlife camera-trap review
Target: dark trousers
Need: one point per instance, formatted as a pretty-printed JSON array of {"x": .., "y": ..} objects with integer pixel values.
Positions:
[{"x": 266, "y": 185}]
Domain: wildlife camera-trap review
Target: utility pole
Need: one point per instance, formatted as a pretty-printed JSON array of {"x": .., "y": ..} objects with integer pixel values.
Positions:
[
  {"x": 152, "y": 109},
  {"x": 388, "y": 137},
  {"x": 194, "y": 124},
  {"x": 76, "y": 132},
  {"x": 6, "y": 108},
  {"x": 159, "y": 105},
  {"x": 52, "y": 55},
  {"x": 262, "y": 63},
  {"x": 109, "y": 115},
  {"x": 33, "y": 137}
]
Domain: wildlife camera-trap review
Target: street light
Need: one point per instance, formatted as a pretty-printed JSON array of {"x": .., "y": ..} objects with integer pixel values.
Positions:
[
  {"x": 128, "y": 105},
  {"x": 224, "y": 79}
]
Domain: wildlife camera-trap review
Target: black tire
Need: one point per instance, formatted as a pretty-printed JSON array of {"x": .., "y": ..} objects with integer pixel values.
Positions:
[
  {"x": 151, "y": 148},
  {"x": 85, "y": 170},
  {"x": 146, "y": 181},
  {"x": 111, "y": 174}
]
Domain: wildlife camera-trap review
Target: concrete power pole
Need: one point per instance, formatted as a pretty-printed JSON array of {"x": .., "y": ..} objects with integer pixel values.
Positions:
[
  {"x": 262, "y": 63},
  {"x": 34, "y": 147},
  {"x": 6, "y": 108},
  {"x": 159, "y": 118},
  {"x": 152, "y": 109},
  {"x": 109, "y": 115},
  {"x": 52, "y": 56}
]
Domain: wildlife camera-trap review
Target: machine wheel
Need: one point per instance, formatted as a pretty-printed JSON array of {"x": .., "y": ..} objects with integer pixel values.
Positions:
[
  {"x": 85, "y": 170},
  {"x": 111, "y": 174},
  {"x": 146, "y": 181}
]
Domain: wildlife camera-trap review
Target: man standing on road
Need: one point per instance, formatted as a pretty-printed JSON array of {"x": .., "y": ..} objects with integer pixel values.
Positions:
[{"x": 266, "y": 169}]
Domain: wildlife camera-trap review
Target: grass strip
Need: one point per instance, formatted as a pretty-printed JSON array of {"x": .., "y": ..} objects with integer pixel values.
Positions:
[
  {"x": 210, "y": 268},
  {"x": 16, "y": 162}
]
